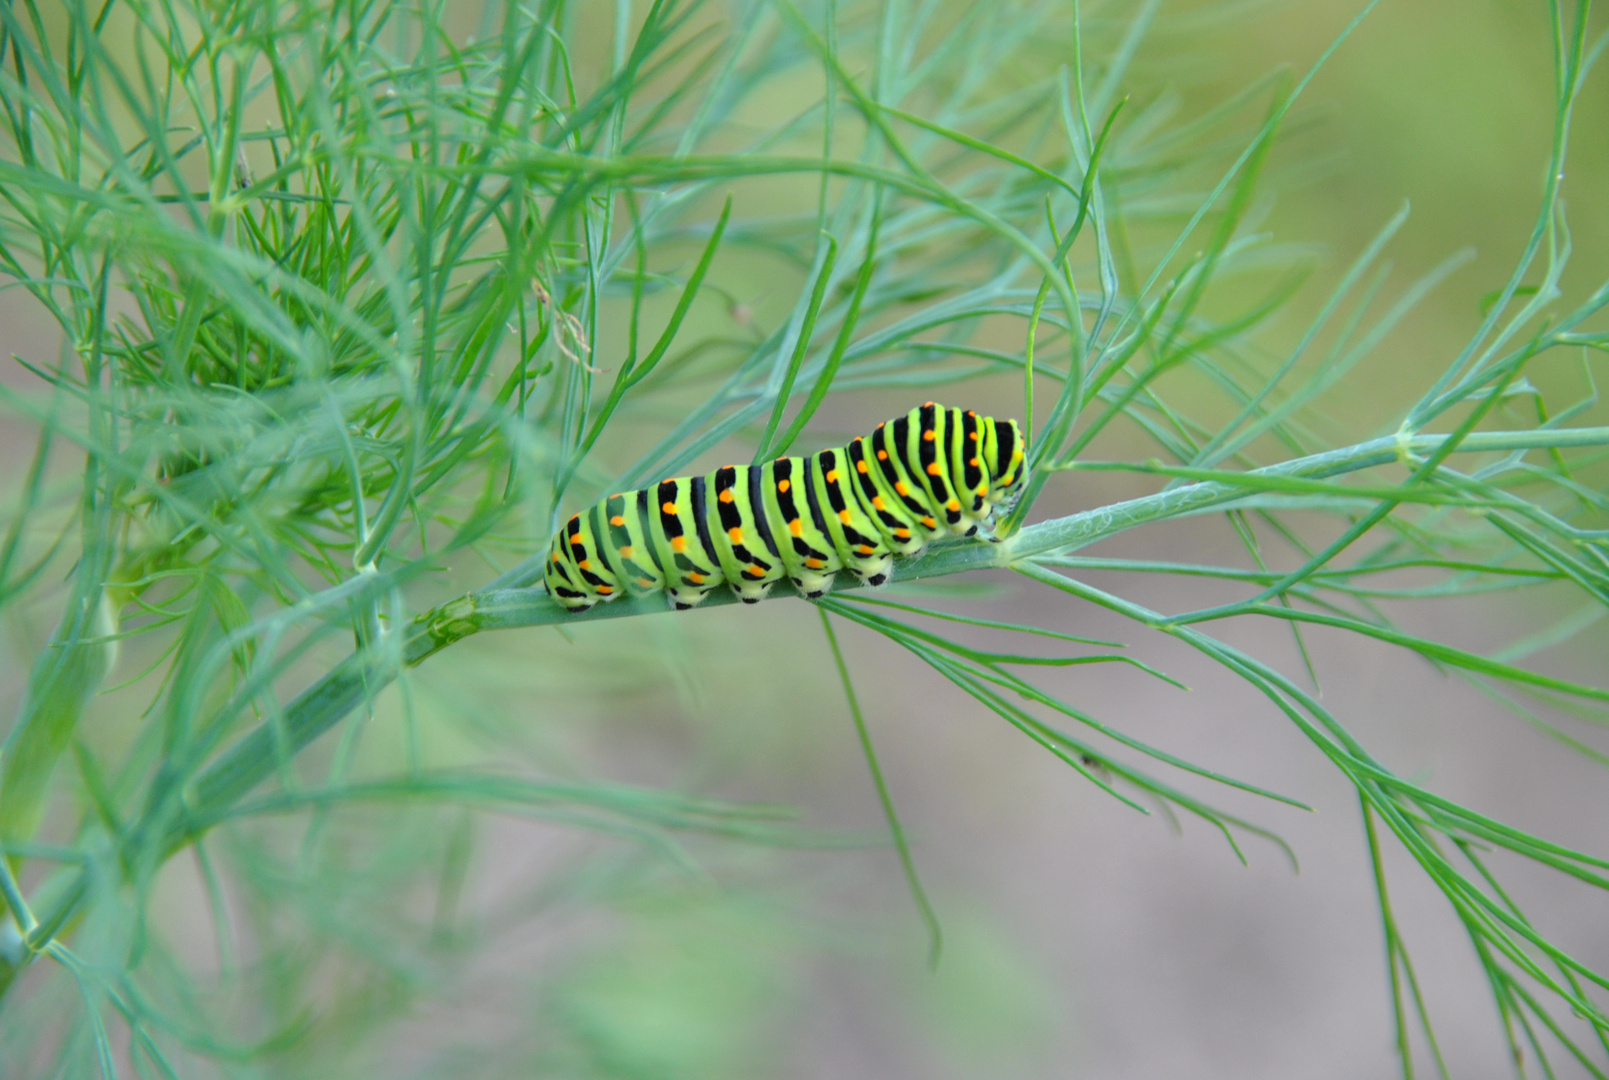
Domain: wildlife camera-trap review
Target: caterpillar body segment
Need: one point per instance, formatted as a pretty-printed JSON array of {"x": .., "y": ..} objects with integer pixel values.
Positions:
[
  {"x": 577, "y": 576},
  {"x": 932, "y": 473},
  {"x": 892, "y": 442},
  {"x": 880, "y": 501},
  {"x": 808, "y": 553},
  {"x": 628, "y": 552},
  {"x": 679, "y": 523},
  {"x": 859, "y": 543},
  {"x": 744, "y": 544}
]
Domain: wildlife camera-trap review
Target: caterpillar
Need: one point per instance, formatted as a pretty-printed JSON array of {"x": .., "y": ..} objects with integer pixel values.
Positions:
[{"x": 933, "y": 472}]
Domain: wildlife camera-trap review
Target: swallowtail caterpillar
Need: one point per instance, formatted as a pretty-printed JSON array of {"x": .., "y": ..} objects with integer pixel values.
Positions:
[{"x": 933, "y": 472}]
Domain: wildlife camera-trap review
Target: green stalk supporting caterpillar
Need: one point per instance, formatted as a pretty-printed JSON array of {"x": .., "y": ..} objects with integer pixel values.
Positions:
[{"x": 933, "y": 472}]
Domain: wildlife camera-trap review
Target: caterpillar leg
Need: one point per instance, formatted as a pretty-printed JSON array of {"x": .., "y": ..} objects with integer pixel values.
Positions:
[
  {"x": 812, "y": 585},
  {"x": 573, "y": 602},
  {"x": 752, "y": 592},
  {"x": 683, "y": 599},
  {"x": 876, "y": 573},
  {"x": 813, "y": 576}
]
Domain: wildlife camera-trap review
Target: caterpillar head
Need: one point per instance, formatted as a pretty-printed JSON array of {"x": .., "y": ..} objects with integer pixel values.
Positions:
[{"x": 1005, "y": 451}]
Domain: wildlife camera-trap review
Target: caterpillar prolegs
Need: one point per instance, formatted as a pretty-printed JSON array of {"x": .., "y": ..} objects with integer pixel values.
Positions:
[{"x": 933, "y": 472}]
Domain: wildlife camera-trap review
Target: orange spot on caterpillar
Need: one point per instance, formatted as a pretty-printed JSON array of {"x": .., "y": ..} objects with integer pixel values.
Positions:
[
  {"x": 783, "y": 486},
  {"x": 646, "y": 583},
  {"x": 933, "y": 469},
  {"x": 625, "y": 552},
  {"x": 756, "y": 569},
  {"x": 736, "y": 533},
  {"x": 585, "y": 564},
  {"x": 865, "y": 549},
  {"x": 843, "y": 516},
  {"x": 860, "y": 467},
  {"x": 929, "y": 436},
  {"x": 929, "y": 522},
  {"x": 899, "y": 486},
  {"x": 605, "y": 589},
  {"x": 617, "y": 521},
  {"x": 903, "y": 534},
  {"x": 953, "y": 504},
  {"x": 669, "y": 508},
  {"x": 832, "y": 476},
  {"x": 814, "y": 564},
  {"x": 882, "y": 455},
  {"x": 678, "y": 543},
  {"x": 796, "y": 527},
  {"x": 727, "y": 496},
  {"x": 695, "y": 579},
  {"x": 877, "y": 501}
]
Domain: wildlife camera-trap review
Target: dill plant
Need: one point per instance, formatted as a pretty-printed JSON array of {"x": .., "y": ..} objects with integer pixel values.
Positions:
[{"x": 357, "y": 299}]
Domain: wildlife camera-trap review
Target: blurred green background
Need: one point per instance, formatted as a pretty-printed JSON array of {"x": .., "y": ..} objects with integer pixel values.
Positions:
[{"x": 1081, "y": 939}]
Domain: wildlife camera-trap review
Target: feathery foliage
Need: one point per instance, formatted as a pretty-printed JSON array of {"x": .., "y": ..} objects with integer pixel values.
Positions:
[{"x": 354, "y": 298}]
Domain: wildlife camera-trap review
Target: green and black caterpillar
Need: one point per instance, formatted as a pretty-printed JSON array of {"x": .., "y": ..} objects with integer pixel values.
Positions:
[{"x": 934, "y": 472}]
